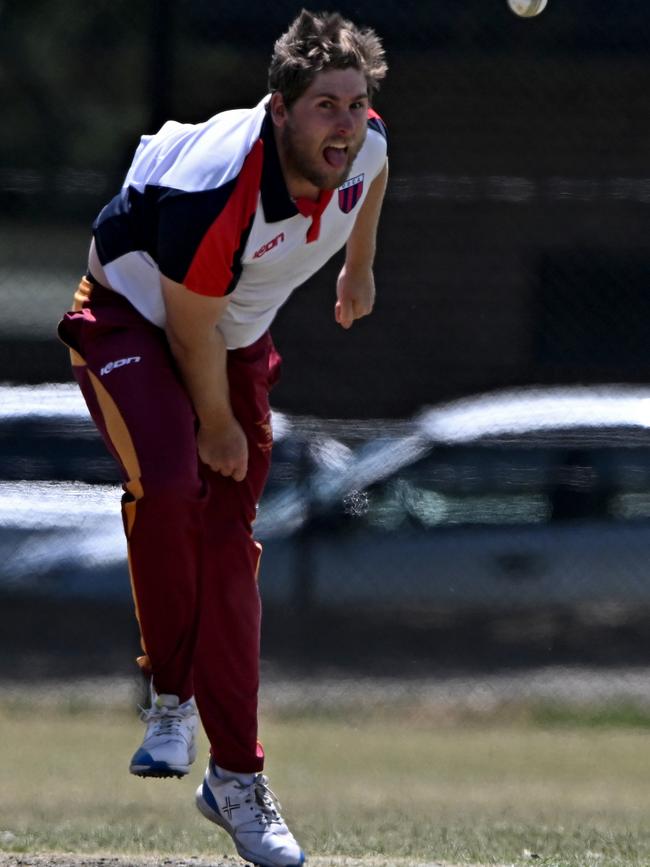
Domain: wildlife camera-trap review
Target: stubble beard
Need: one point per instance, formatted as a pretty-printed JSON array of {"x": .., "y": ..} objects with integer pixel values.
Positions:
[{"x": 299, "y": 162}]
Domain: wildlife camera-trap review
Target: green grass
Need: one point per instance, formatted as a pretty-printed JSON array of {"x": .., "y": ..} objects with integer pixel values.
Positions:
[
  {"x": 619, "y": 715},
  {"x": 549, "y": 790}
]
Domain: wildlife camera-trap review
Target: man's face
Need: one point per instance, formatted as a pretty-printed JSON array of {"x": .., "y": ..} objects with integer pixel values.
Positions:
[{"x": 325, "y": 128}]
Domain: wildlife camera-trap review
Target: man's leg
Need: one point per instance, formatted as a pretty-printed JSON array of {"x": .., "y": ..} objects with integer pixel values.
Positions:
[
  {"x": 226, "y": 662},
  {"x": 147, "y": 421},
  {"x": 234, "y": 794}
]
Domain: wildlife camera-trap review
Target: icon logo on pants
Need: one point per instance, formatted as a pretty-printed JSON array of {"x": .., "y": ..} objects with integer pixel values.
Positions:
[
  {"x": 266, "y": 431},
  {"x": 112, "y": 365}
]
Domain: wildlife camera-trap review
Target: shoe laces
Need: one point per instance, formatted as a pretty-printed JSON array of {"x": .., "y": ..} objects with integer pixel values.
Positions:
[
  {"x": 168, "y": 720},
  {"x": 266, "y": 800}
]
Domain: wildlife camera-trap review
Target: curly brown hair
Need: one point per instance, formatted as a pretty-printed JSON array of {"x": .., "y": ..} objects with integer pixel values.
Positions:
[{"x": 317, "y": 42}]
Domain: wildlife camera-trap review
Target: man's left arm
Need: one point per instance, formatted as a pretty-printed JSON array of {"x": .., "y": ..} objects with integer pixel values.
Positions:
[{"x": 355, "y": 287}]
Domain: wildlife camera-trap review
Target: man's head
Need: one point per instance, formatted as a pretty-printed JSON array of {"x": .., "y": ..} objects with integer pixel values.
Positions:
[
  {"x": 322, "y": 76},
  {"x": 318, "y": 43}
]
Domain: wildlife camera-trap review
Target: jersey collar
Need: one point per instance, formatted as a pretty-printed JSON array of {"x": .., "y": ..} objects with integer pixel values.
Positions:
[{"x": 276, "y": 201}]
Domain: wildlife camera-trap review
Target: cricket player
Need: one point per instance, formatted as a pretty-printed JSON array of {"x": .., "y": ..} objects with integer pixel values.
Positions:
[{"x": 215, "y": 225}]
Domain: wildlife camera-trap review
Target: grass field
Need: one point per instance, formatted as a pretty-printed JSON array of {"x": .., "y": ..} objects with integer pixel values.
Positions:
[{"x": 391, "y": 786}]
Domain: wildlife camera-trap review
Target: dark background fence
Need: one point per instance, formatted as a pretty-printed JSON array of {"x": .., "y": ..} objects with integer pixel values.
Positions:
[{"x": 513, "y": 245}]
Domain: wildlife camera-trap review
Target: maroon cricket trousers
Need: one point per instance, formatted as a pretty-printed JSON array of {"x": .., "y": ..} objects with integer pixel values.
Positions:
[{"x": 192, "y": 557}]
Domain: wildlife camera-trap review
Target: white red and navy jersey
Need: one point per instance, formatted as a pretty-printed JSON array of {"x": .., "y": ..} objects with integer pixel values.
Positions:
[{"x": 207, "y": 206}]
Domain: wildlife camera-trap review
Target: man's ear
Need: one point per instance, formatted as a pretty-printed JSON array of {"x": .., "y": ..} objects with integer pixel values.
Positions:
[{"x": 278, "y": 109}]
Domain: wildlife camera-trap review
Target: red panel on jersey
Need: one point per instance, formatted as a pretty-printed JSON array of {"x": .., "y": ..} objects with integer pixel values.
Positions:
[
  {"x": 212, "y": 269},
  {"x": 314, "y": 210}
]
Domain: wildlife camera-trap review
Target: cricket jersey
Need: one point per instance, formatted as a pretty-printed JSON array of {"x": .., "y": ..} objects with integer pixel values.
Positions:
[{"x": 207, "y": 206}]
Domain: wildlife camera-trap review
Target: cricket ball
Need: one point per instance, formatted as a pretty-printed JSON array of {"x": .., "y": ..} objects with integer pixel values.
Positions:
[{"x": 527, "y": 8}]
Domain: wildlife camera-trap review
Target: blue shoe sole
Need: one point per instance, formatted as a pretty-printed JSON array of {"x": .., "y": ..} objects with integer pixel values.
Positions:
[{"x": 144, "y": 765}]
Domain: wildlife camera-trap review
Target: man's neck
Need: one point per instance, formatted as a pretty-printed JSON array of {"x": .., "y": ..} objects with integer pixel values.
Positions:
[{"x": 298, "y": 187}]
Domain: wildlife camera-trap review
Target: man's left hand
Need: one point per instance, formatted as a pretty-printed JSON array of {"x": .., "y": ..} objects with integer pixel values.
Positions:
[{"x": 355, "y": 291}]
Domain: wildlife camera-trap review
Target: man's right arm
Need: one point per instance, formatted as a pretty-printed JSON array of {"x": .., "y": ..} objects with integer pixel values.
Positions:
[{"x": 200, "y": 352}]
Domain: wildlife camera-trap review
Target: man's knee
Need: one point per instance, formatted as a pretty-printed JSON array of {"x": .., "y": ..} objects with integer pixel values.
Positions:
[
  {"x": 178, "y": 486},
  {"x": 165, "y": 494}
]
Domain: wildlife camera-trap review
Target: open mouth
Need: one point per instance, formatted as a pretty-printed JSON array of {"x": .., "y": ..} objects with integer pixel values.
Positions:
[{"x": 336, "y": 156}]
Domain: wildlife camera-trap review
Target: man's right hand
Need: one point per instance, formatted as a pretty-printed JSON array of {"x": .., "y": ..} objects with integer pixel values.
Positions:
[
  {"x": 224, "y": 449},
  {"x": 200, "y": 351}
]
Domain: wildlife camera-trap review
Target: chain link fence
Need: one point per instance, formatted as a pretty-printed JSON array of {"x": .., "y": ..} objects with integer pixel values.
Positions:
[{"x": 512, "y": 263}]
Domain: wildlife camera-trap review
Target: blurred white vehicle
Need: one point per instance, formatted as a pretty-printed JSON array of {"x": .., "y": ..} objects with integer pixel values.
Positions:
[{"x": 515, "y": 498}]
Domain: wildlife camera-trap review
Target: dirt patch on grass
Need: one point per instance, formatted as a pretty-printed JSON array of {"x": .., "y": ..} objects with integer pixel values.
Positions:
[
  {"x": 71, "y": 859},
  {"x": 8, "y": 859}
]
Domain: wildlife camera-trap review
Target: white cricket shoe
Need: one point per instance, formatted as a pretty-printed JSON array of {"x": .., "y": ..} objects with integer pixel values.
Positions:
[
  {"x": 169, "y": 745},
  {"x": 250, "y": 813}
]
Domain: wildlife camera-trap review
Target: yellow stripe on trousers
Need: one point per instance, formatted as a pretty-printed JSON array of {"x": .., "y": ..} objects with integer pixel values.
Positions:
[
  {"x": 119, "y": 435},
  {"x": 121, "y": 439},
  {"x": 123, "y": 444}
]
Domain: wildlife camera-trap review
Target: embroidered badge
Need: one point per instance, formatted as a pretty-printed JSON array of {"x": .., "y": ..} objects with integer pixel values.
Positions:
[{"x": 350, "y": 193}]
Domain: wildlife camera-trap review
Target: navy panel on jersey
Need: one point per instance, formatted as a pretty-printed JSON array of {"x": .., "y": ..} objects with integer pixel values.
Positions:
[
  {"x": 184, "y": 219},
  {"x": 113, "y": 228},
  {"x": 129, "y": 223},
  {"x": 376, "y": 123},
  {"x": 276, "y": 201},
  {"x": 167, "y": 224}
]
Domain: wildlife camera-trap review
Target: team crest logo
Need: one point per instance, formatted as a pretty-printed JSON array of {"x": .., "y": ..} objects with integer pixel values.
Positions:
[{"x": 350, "y": 193}]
